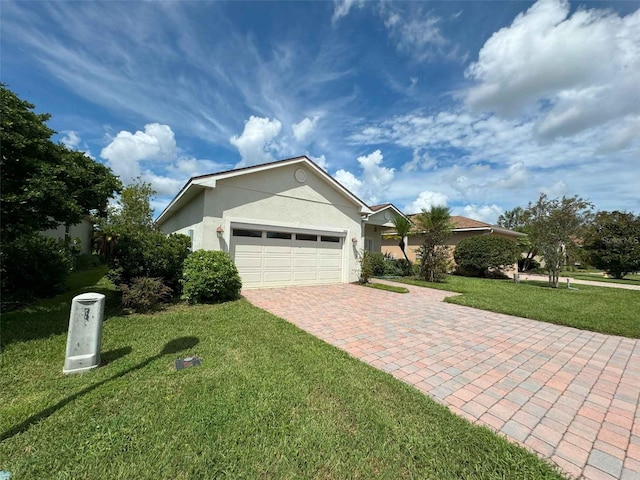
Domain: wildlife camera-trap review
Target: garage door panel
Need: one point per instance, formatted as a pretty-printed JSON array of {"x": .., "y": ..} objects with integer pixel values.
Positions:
[
  {"x": 248, "y": 262},
  {"x": 278, "y": 262},
  {"x": 277, "y": 277},
  {"x": 329, "y": 275},
  {"x": 249, "y": 248},
  {"x": 308, "y": 262},
  {"x": 330, "y": 263},
  {"x": 302, "y": 276},
  {"x": 278, "y": 249}
]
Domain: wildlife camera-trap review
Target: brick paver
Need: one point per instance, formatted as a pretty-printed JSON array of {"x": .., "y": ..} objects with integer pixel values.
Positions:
[{"x": 569, "y": 395}]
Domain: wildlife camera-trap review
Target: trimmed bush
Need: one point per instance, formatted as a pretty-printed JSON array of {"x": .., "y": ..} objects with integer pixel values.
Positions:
[
  {"x": 372, "y": 264},
  {"x": 395, "y": 268},
  {"x": 145, "y": 294},
  {"x": 210, "y": 277},
  {"x": 33, "y": 266},
  {"x": 148, "y": 253},
  {"x": 476, "y": 255}
]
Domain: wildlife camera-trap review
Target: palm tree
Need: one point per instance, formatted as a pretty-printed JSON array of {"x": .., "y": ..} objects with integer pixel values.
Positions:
[
  {"x": 436, "y": 227},
  {"x": 403, "y": 227}
]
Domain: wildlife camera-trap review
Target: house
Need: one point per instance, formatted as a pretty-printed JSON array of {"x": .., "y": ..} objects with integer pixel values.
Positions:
[
  {"x": 286, "y": 222},
  {"x": 82, "y": 231},
  {"x": 463, "y": 227}
]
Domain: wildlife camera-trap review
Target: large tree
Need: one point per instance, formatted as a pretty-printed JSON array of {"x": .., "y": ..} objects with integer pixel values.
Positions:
[
  {"x": 44, "y": 184},
  {"x": 555, "y": 225},
  {"x": 613, "y": 242},
  {"x": 435, "y": 225}
]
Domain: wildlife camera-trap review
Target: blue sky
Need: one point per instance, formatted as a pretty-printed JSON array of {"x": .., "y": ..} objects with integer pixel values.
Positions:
[{"x": 476, "y": 105}]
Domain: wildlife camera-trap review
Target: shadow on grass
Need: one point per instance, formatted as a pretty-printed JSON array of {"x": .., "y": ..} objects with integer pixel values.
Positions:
[
  {"x": 172, "y": 347},
  {"x": 50, "y": 316}
]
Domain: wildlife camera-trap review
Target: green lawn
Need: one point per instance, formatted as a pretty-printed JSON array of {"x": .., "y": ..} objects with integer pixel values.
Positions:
[
  {"x": 384, "y": 286},
  {"x": 599, "y": 309},
  {"x": 269, "y": 401}
]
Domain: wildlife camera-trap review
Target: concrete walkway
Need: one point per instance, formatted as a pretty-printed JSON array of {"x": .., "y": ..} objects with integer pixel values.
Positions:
[
  {"x": 569, "y": 395},
  {"x": 593, "y": 283}
]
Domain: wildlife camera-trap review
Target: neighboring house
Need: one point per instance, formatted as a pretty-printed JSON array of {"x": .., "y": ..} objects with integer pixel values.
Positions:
[
  {"x": 463, "y": 228},
  {"x": 82, "y": 230},
  {"x": 283, "y": 223}
]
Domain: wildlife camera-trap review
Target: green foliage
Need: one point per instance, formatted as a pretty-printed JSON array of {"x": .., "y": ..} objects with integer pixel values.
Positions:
[
  {"x": 33, "y": 266},
  {"x": 613, "y": 242},
  {"x": 481, "y": 253},
  {"x": 145, "y": 294},
  {"x": 435, "y": 225},
  {"x": 131, "y": 213},
  {"x": 209, "y": 277},
  {"x": 148, "y": 253},
  {"x": 403, "y": 227},
  {"x": 86, "y": 262},
  {"x": 395, "y": 268},
  {"x": 372, "y": 264},
  {"x": 44, "y": 184},
  {"x": 554, "y": 227}
]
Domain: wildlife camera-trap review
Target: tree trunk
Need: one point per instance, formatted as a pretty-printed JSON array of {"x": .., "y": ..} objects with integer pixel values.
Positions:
[{"x": 402, "y": 247}]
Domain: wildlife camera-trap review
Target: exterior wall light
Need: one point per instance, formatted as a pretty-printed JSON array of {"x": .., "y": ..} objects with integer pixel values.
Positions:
[
  {"x": 220, "y": 231},
  {"x": 354, "y": 240}
]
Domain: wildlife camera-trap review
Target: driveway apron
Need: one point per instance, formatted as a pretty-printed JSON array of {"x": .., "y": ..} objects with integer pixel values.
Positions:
[{"x": 569, "y": 395}]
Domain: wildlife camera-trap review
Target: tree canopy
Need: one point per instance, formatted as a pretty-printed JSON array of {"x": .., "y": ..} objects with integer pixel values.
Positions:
[
  {"x": 44, "y": 184},
  {"x": 555, "y": 225},
  {"x": 613, "y": 242}
]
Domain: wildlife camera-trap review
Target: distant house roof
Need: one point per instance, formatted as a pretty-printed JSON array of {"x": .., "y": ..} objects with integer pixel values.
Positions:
[{"x": 465, "y": 224}]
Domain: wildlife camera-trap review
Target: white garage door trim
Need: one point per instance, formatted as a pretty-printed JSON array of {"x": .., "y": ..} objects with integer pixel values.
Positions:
[{"x": 286, "y": 256}]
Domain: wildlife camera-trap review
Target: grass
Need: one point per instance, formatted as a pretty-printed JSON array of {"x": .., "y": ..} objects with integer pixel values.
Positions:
[
  {"x": 269, "y": 401},
  {"x": 599, "y": 309},
  {"x": 384, "y": 286}
]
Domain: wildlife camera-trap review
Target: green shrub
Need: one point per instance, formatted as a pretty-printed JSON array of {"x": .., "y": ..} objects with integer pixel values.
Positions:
[
  {"x": 395, "y": 268},
  {"x": 210, "y": 276},
  {"x": 145, "y": 294},
  {"x": 377, "y": 263},
  {"x": 148, "y": 253},
  {"x": 85, "y": 261},
  {"x": 475, "y": 256},
  {"x": 33, "y": 266}
]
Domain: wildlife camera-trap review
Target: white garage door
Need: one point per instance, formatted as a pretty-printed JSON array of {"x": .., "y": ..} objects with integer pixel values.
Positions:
[{"x": 273, "y": 258}]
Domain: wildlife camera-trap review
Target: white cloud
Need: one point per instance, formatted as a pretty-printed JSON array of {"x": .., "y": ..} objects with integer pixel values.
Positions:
[
  {"x": 127, "y": 150},
  {"x": 426, "y": 200},
  {"x": 341, "y": 9},
  {"x": 304, "y": 128},
  {"x": 321, "y": 161},
  {"x": 349, "y": 181},
  {"x": 71, "y": 139},
  {"x": 482, "y": 213},
  {"x": 421, "y": 161},
  {"x": 375, "y": 179},
  {"x": 573, "y": 72},
  {"x": 256, "y": 141},
  {"x": 413, "y": 32}
]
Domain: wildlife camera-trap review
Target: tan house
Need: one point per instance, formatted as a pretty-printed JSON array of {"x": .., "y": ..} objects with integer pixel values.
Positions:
[
  {"x": 463, "y": 228},
  {"x": 283, "y": 223}
]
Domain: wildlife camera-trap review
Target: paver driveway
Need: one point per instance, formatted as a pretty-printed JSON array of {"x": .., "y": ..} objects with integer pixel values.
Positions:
[{"x": 569, "y": 395}]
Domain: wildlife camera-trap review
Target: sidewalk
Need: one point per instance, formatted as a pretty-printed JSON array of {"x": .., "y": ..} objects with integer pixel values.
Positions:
[{"x": 593, "y": 283}]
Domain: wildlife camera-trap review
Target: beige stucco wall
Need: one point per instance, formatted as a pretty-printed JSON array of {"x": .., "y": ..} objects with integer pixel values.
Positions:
[
  {"x": 271, "y": 197},
  {"x": 82, "y": 230},
  {"x": 188, "y": 218}
]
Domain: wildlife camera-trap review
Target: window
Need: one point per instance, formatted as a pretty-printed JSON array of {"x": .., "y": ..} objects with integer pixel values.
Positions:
[
  {"x": 368, "y": 244},
  {"x": 280, "y": 235},
  {"x": 325, "y": 238},
  {"x": 306, "y": 237},
  {"x": 239, "y": 232}
]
